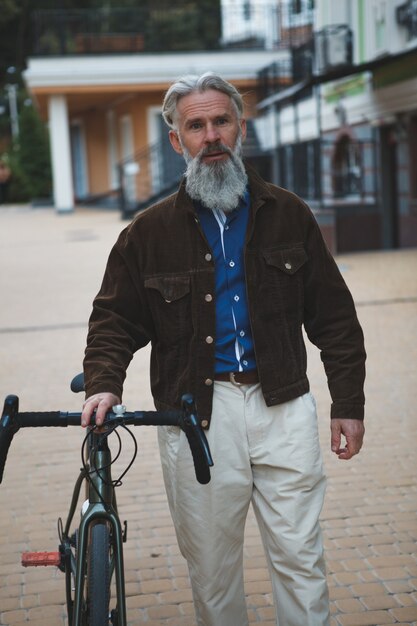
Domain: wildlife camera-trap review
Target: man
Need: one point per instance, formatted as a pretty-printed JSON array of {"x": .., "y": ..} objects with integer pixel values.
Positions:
[{"x": 220, "y": 277}]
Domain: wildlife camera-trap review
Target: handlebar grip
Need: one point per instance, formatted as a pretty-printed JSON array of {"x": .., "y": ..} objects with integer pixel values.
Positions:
[
  {"x": 197, "y": 441},
  {"x": 8, "y": 428},
  {"x": 202, "y": 469}
]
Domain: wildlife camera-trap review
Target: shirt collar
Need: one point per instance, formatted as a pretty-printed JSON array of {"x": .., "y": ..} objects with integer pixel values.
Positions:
[{"x": 244, "y": 203}]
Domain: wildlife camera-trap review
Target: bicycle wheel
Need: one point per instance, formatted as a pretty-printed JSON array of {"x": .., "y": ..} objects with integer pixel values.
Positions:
[{"x": 98, "y": 576}]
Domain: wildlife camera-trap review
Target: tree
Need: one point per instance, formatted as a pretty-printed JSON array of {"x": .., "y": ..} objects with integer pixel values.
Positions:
[{"x": 30, "y": 159}]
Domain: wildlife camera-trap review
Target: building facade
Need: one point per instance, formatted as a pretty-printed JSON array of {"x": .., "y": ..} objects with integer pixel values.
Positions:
[{"x": 345, "y": 133}]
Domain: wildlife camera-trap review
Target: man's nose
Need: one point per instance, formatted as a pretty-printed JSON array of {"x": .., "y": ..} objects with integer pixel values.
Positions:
[{"x": 212, "y": 134}]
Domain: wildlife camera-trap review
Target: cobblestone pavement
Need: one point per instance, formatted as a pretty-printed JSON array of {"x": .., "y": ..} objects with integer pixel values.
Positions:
[{"x": 51, "y": 267}]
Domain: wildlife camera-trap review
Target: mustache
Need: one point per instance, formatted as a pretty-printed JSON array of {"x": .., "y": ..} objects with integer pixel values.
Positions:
[{"x": 214, "y": 148}]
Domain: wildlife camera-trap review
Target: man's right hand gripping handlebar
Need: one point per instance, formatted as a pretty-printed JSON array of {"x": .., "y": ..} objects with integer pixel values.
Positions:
[{"x": 102, "y": 403}]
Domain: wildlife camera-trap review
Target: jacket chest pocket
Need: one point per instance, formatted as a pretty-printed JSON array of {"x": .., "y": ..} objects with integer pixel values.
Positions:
[
  {"x": 284, "y": 278},
  {"x": 170, "y": 301}
]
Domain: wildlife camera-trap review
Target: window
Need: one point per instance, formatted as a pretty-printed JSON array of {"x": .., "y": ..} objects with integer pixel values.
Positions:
[
  {"x": 297, "y": 6},
  {"x": 380, "y": 25},
  {"x": 300, "y": 168},
  {"x": 346, "y": 168},
  {"x": 413, "y": 157},
  {"x": 247, "y": 11}
]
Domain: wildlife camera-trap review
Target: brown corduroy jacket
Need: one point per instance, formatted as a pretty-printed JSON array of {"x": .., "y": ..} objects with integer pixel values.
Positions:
[{"x": 155, "y": 286}]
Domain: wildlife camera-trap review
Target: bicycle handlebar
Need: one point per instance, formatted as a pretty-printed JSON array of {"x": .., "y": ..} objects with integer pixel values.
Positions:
[{"x": 11, "y": 421}]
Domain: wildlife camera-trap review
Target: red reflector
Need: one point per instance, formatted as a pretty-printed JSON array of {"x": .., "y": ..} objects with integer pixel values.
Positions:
[{"x": 34, "y": 559}]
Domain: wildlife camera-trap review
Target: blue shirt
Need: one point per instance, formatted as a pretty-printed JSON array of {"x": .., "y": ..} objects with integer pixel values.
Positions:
[{"x": 225, "y": 233}]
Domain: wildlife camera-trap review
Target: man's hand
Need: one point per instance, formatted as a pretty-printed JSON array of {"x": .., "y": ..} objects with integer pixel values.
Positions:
[
  {"x": 353, "y": 431},
  {"x": 103, "y": 402}
]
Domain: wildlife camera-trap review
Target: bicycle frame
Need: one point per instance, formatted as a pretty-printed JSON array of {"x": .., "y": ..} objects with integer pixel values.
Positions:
[{"x": 102, "y": 507}]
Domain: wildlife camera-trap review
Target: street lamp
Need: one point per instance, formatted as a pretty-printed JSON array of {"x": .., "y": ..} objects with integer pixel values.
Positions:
[{"x": 11, "y": 90}]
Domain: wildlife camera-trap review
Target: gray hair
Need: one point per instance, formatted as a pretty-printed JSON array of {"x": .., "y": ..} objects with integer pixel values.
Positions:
[{"x": 191, "y": 83}]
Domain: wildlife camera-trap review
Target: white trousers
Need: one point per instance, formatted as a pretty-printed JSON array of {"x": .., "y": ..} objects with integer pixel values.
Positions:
[{"x": 269, "y": 456}]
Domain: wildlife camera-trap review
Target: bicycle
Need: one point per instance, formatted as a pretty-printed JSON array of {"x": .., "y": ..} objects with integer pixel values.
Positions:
[{"x": 92, "y": 555}]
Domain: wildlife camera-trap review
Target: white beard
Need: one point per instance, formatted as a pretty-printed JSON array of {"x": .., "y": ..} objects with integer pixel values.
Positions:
[{"x": 217, "y": 185}]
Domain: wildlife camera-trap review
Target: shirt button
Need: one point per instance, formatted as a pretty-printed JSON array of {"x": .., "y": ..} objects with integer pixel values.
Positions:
[
  {"x": 209, "y": 339},
  {"x": 236, "y": 298},
  {"x": 208, "y": 297},
  {"x": 232, "y": 263},
  {"x": 204, "y": 423},
  {"x": 245, "y": 362},
  {"x": 208, "y": 382},
  {"x": 242, "y": 333},
  {"x": 288, "y": 266},
  {"x": 208, "y": 256}
]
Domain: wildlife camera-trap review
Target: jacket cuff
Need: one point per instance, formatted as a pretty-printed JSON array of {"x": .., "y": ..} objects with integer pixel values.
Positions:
[
  {"x": 91, "y": 390},
  {"x": 347, "y": 411}
]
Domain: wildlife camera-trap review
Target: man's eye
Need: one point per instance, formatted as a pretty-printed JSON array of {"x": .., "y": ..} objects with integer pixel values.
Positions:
[
  {"x": 221, "y": 121},
  {"x": 195, "y": 126}
]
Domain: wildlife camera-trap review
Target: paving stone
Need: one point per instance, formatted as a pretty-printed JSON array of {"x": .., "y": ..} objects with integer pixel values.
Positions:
[{"x": 369, "y": 618}]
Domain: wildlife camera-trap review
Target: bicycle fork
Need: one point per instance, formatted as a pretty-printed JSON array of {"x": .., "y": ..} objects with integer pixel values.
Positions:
[{"x": 100, "y": 509}]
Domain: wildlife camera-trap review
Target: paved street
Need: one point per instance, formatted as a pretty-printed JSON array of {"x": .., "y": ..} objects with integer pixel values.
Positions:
[{"x": 51, "y": 267}]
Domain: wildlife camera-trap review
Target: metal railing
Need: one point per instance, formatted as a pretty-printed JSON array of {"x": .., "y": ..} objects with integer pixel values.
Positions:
[
  {"x": 147, "y": 176},
  {"x": 320, "y": 53}
]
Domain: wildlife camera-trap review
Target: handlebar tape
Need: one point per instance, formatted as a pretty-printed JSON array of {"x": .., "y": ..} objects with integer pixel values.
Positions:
[
  {"x": 44, "y": 418},
  {"x": 197, "y": 441},
  {"x": 8, "y": 428},
  {"x": 202, "y": 470}
]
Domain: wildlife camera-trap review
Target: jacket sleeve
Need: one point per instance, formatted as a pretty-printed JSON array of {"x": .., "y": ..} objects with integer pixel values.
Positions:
[
  {"x": 331, "y": 324},
  {"x": 120, "y": 322}
]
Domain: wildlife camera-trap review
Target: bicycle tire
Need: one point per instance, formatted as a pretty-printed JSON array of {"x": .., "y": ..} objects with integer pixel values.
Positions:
[{"x": 98, "y": 575}]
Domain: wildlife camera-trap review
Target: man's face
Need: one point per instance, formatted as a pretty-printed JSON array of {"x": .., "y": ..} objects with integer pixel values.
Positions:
[{"x": 205, "y": 121}]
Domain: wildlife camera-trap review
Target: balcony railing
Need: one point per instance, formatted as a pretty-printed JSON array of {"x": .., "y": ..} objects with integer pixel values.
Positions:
[
  {"x": 333, "y": 48},
  {"x": 321, "y": 53},
  {"x": 187, "y": 26}
]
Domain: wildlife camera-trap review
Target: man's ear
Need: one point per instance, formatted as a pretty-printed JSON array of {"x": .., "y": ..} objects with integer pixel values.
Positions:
[
  {"x": 243, "y": 128},
  {"x": 175, "y": 141}
]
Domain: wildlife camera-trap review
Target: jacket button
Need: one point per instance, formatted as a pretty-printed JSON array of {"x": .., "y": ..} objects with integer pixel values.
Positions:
[
  {"x": 208, "y": 382},
  {"x": 208, "y": 297},
  {"x": 209, "y": 339},
  {"x": 288, "y": 266},
  {"x": 204, "y": 423},
  {"x": 208, "y": 256}
]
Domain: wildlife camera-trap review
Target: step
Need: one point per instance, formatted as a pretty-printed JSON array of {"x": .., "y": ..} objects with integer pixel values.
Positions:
[{"x": 35, "y": 559}]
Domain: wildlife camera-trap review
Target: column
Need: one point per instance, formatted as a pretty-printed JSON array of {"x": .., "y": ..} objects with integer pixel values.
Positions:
[{"x": 60, "y": 154}]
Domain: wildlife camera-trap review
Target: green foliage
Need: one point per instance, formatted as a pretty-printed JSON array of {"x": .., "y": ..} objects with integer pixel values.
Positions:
[
  {"x": 30, "y": 160},
  {"x": 188, "y": 26},
  {"x": 9, "y": 10}
]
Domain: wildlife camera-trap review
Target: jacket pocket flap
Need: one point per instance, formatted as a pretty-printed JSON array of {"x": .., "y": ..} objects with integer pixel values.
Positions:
[
  {"x": 170, "y": 287},
  {"x": 288, "y": 260}
]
